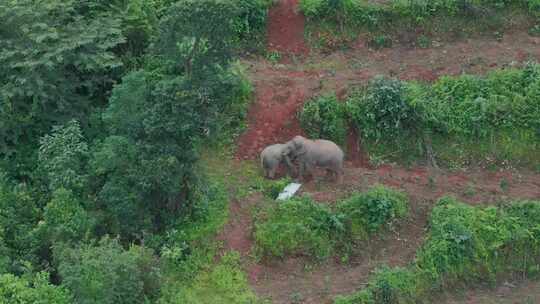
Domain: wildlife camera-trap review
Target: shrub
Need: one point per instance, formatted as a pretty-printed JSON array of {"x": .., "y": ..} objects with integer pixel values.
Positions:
[
  {"x": 272, "y": 189},
  {"x": 365, "y": 213},
  {"x": 251, "y": 18},
  {"x": 302, "y": 226},
  {"x": 324, "y": 117},
  {"x": 16, "y": 290},
  {"x": 382, "y": 111},
  {"x": 380, "y": 41},
  {"x": 108, "y": 274},
  {"x": 224, "y": 283},
  {"x": 465, "y": 244},
  {"x": 468, "y": 118},
  {"x": 393, "y": 285},
  {"x": 314, "y": 8},
  {"x": 297, "y": 226}
]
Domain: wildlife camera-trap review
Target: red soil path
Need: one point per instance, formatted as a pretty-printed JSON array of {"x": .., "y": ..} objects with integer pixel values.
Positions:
[
  {"x": 286, "y": 28},
  {"x": 272, "y": 118}
]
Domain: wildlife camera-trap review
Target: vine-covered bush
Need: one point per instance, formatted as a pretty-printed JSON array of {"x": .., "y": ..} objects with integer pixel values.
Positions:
[
  {"x": 324, "y": 118},
  {"x": 302, "y": 226},
  {"x": 465, "y": 244},
  {"x": 297, "y": 226},
  {"x": 382, "y": 111},
  {"x": 366, "y": 213}
]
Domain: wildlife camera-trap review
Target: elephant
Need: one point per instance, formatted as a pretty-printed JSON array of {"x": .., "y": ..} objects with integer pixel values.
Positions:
[
  {"x": 273, "y": 155},
  {"x": 321, "y": 153}
]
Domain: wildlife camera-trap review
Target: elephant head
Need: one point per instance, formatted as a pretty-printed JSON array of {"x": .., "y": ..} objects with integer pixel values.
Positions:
[{"x": 298, "y": 145}]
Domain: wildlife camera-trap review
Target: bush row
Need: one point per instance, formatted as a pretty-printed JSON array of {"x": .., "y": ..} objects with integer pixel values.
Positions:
[
  {"x": 302, "y": 226},
  {"x": 359, "y": 12},
  {"x": 499, "y": 112},
  {"x": 465, "y": 244}
]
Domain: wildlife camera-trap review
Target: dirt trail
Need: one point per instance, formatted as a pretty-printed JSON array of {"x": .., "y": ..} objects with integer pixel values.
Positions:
[{"x": 286, "y": 29}]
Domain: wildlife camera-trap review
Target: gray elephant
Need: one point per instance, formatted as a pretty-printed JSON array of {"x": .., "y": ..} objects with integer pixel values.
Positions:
[
  {"x": 317, "y": 153},
  {"x": 273, "y": 155}
]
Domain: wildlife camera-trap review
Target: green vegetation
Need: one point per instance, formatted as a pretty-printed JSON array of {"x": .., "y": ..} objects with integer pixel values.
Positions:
[
  {"x": 324, "y": 117},
  {"x": 104, "y": 109},
  {"x": 359, "y": 12},
  {"x": 224, "y": 283},
  {"x": 302, "y": 226},
  {"x": 34, "y": 289},
  {"x": 457, "y": 121},
  {"x": 333, "y": 24},
  {"x": 116, "y": 124},
  {"x": 465, "y": 245}
]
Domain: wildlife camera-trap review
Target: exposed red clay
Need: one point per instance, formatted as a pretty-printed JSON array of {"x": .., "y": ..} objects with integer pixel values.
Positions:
[{"x": 286, "y": 29}]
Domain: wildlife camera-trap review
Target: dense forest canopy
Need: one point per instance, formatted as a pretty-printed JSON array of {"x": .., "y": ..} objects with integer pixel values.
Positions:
[{"x": 103, "y": 106}]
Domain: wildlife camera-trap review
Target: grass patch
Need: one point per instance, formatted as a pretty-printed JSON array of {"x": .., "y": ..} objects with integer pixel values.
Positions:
[
  {"x": 301, "y": 226},
  {"x": 222, "y": 283},
  {"x": 465, "y": 245}
]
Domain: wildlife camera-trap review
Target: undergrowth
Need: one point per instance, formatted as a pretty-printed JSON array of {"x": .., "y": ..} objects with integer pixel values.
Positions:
[
  {"x": 324, "y": 117},
  {"x": 335, "y": 23},
  {"x": 457, "y": 121},
  {"x": 465, "y": 245},
  {"x": 193, "y": 273},
  {"x": 223, "y": 283},
  {"x": 301, "y": 226}
]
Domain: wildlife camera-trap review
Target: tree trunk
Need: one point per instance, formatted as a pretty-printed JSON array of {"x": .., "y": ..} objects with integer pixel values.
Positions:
[{"x": 429, "y": 150}]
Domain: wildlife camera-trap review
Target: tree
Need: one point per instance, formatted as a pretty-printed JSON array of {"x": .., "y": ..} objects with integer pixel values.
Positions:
[
  {"x": 64, "y": 219},
  {"x": 56, "y": 61},
  {"x": 19, "y": 215},
  {"x": 157, "y": 116},
  {"x": 196, "y": 36},
  {"x": 62, "y": 155}
]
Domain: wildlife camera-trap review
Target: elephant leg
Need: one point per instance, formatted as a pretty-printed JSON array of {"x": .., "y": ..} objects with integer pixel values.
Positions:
[
  {"x": 272, "y": 173},
  {"x": 339, "y": 176},
  {"x": 302, "y": 170},
  {"x": 329, "y": 174},
  {"x": 310, "y": 171}
]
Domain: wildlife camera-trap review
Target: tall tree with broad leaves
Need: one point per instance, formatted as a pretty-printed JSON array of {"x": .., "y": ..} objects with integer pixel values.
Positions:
[
  {"x": 157, "y": 116},
  {"x": 56, "y": 60}
]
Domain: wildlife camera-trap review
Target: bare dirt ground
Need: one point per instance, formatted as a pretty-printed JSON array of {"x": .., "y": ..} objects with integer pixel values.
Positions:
[{"x": 281, "y": 89}]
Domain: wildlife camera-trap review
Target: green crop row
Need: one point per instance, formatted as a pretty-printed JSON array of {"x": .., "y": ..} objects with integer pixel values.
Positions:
[
  {"x": 465, "y": 118},
  {"x": 465, "y": 245},
  {"x": 360, "y": 12},
  {"x": 303, "y": 227}
]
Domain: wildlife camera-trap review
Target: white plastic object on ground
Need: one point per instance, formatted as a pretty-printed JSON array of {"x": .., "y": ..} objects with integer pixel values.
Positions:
[{"x": 289, "y": 191}]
